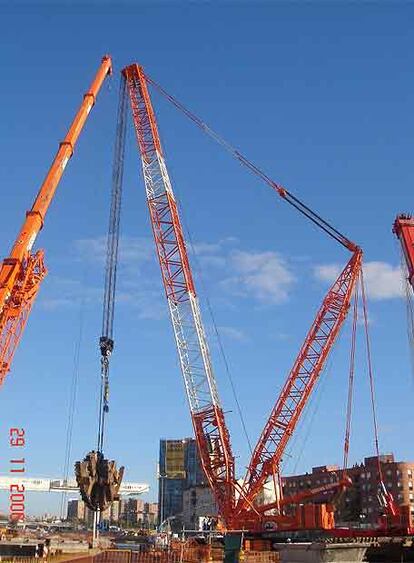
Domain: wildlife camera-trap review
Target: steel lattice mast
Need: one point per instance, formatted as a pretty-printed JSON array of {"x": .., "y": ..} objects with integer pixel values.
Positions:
[{"x": 206, "y": 411}]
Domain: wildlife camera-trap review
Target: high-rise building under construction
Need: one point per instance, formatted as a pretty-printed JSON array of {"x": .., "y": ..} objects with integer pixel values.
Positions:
[{"x": 179, "y": 469}]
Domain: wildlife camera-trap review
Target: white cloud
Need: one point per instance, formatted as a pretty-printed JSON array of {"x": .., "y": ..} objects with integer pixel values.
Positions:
[
  {"x": 263, "y": 275},
  {"x": 327, "y": 272},
  {"x": 61, "y": 292},
  {"x": 132, "y": 250},
  {"x": 204, "y": 247},
  {"x": 232, "y": 333},
  {"x": 383, "y": 281}
]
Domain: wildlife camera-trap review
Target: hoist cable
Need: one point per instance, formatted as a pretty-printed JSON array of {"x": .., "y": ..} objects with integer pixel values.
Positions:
[
  {"x": 313, "y": 409},
  {"x": 72, "y": 406},
  {"x": 409, "y": 311},
  {"x": 217, "y": 333},
  {"x": 106, "y": 342},
  {"x": 370, "y": 372},
  {"x": 283, "y": 192},
  {"x": 351, "y": 381}
]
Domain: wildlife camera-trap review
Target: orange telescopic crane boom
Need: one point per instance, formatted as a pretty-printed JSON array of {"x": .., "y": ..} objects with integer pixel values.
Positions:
[{"x": 22, "y": 272}]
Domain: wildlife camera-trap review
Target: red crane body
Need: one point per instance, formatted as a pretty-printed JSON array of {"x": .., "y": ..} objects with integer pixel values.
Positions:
[
  {"x": 237, "y": 502},
  {"x": 404, "y": 230},
  {"x": 22, "y": 272}
]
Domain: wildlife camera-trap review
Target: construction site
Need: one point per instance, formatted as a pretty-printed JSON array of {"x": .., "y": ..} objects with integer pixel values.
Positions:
[{"x": 261, "y": 512}]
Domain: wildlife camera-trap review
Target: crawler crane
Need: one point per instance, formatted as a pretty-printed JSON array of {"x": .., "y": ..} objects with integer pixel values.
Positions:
[
  {"x": 237, "y": 502},
  {"x": 23, "y": 271}
]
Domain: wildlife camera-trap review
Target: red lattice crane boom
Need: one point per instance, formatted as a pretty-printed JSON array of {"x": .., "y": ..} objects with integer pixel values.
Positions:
[
  {"x": 206, "y": 411},
  {"x": 300, "y": 383},
  {"x": 22, "y": 272},
  {"x": 236, "y": 502}
]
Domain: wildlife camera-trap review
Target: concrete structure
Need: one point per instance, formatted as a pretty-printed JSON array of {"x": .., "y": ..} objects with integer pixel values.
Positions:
[
  {"x": 360, "y": 502},
  {"x": 198, "y": 507}
]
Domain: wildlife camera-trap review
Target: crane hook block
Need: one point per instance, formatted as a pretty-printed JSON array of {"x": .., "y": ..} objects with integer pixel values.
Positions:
[
  {"x": 98, "y": 480},
  {"x": 106, "y": 345}
]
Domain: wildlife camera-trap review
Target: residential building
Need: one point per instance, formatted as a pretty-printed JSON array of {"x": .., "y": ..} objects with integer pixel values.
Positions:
[
  {"x": 76, "y": 510},
  {"x": 360, "y": 502},
  {"x": 150, "y": 515},
  {"x": 111, "y": 514},
  {"x": 132, "y": 512}
]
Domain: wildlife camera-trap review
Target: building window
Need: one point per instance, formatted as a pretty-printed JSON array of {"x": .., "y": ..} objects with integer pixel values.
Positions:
[
  {"x": 389, "y": 472},
  {"x": 410, "y": 485},
  {"x": 369, "y": 475},
  {"x": 362, "y": 475},
  {"x": 410, "y": 473},
  {"x": 411, "y": 497}
]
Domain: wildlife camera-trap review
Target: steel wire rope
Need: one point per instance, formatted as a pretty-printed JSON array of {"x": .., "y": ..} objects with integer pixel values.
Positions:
[
  {"x": 351, "y": 378},
  {"x": 106, "y": 342},
  {"x": 206, "y": 299},
  {"x": 408, "y": 290},
  {"x": 216, "y": 331},
  {"x": 283, "y": 192},
  {"x": 310, "y": 412},
  {"x": 370, "y": 373},
  {"x": 72, "y": 400}
]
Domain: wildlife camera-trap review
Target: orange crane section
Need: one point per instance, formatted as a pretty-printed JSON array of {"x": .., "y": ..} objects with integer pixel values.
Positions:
[{"x": 22, "y": 272}]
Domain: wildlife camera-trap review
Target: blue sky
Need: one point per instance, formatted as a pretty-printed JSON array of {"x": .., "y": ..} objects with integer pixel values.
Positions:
[{"x": 319, "y": 96}]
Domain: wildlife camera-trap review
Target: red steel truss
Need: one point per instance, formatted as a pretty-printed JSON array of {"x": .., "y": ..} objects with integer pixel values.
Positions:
[
  {"x": 236, "y": 501},
  {"x": 300, "y": 383},
  {"x": 207, "y": 414}
]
